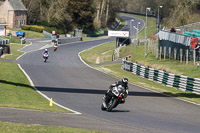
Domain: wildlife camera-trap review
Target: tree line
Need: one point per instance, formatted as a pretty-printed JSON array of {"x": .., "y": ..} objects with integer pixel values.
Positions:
[
  {"x": 95, "y": 14},
  {"x": 173, "y": 12},
  {"x": 71, "y": 14}
]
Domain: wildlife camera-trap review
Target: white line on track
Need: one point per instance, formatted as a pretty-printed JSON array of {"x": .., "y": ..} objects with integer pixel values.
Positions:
[{"x": 31, "y": 82}]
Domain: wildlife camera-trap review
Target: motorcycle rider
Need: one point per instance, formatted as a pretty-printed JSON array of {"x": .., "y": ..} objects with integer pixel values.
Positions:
[
  {"x": 123, "y": 83},
  {"x": 45, "y": 52}
]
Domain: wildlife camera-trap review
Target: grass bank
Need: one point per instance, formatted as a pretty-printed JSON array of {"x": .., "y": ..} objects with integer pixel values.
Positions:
[
  {"x": 31, "y": 34},
  {"x": 7, "y": 127},
  {"x": 14, "y": 52},
  {"x": 99, "y": 54}
]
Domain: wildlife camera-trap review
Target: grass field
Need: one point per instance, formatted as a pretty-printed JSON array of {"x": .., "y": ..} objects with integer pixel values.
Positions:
[{"x": 99, "y": 54}]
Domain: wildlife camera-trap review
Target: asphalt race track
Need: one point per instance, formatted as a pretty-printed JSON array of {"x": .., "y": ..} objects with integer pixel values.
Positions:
[{"x": 71, "y": 83}]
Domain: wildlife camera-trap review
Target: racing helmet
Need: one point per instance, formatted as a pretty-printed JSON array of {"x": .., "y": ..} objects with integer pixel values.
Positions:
[
  {"x": 45, "y": 50},
  {"x": 125, "y": 80}
]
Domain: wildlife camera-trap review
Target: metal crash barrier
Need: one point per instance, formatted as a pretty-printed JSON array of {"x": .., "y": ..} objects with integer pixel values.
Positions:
[{"x": 180, "y": 82}]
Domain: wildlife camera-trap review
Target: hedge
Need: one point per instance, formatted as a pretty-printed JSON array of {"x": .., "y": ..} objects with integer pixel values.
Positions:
[
  {"x": 26, "y": 27},
  {"x": 40, "y": 29},
  {"x": 35, "y": 28}
]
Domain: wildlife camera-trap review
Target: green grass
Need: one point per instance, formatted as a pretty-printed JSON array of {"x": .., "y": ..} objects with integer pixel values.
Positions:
[
  {"x": 14, "y": 53},
  {"x": 99, "y": 54},
  {"x": 15, "y": 40},
  {"x": 123, "y": 23},
  {"x": 172, "y": 66},
  {"x": 16, "y": 91},
  {"x": 92, "y": 38},
  {"x": 30, "y": 34},
  {"x": 99, "y": 31},
  {"x": 33, "y": 34},
  {"x": 7, "y": 127}
]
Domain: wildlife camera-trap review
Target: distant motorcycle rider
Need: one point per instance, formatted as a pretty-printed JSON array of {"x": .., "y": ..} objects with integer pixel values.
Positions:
[
  {"x": 45, "y": 52},
  {"x": 123, "y": 83},
  {"x": 45, "y": 55}
]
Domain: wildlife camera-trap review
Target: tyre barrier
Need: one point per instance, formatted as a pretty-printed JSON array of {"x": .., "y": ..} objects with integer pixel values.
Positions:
[{"x": 180, "y": 82}]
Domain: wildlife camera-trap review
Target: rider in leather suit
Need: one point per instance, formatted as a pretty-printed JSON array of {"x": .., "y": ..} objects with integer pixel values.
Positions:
[{"x": 123, "y": 83}]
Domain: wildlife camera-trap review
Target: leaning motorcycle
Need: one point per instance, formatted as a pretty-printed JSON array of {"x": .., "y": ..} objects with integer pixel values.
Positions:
[
  {"x": 116, "y": 96},
  {"x": 45, "y": 57}
]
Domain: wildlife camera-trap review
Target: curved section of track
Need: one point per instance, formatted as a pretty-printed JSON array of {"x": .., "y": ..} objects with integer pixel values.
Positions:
[{"x": 71, "y": 83}]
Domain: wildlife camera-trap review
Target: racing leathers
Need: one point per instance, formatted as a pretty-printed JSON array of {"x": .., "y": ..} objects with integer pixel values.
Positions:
[{"x": 108, "y": 94}]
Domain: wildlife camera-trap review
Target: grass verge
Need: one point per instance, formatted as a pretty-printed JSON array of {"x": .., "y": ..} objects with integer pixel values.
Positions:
[
  {"x": 30, "y": 34},
  {"x": 99, "y": 54},
  {"x": 7, "y": 127},
  {"x": 14, "y": 52}
]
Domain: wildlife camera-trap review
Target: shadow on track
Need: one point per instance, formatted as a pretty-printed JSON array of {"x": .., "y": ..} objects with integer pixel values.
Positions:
[
  {"x": 96, "y": 91},
  {"x": 119, "y": 111}
]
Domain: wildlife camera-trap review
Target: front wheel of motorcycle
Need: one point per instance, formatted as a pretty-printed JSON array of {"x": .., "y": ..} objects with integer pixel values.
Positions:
[
  {"x": 112, "y": 104},
  {"x": 103, "y": 108}
]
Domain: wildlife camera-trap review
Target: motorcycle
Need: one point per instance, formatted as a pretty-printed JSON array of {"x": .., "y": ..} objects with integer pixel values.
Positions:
[
  {"x": 115, "y": 97},
  {"x": 45, "y": 57},
  {"x": 55, "y": 48}
]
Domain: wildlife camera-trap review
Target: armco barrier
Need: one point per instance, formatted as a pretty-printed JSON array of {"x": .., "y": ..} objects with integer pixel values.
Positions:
[
  {"x": 181, "y": 82},
  {"x": 69, "y": 40}
]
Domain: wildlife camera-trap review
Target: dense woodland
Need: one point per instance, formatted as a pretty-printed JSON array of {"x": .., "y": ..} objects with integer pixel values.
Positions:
[
  {"x": 95, "y": 14},
  {"x": 70, "y": 14},
  {"x": 174, "y": 12}
]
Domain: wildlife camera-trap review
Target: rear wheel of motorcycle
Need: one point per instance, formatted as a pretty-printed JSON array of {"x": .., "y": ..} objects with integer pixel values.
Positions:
[{"x": 112, "y": 104}]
